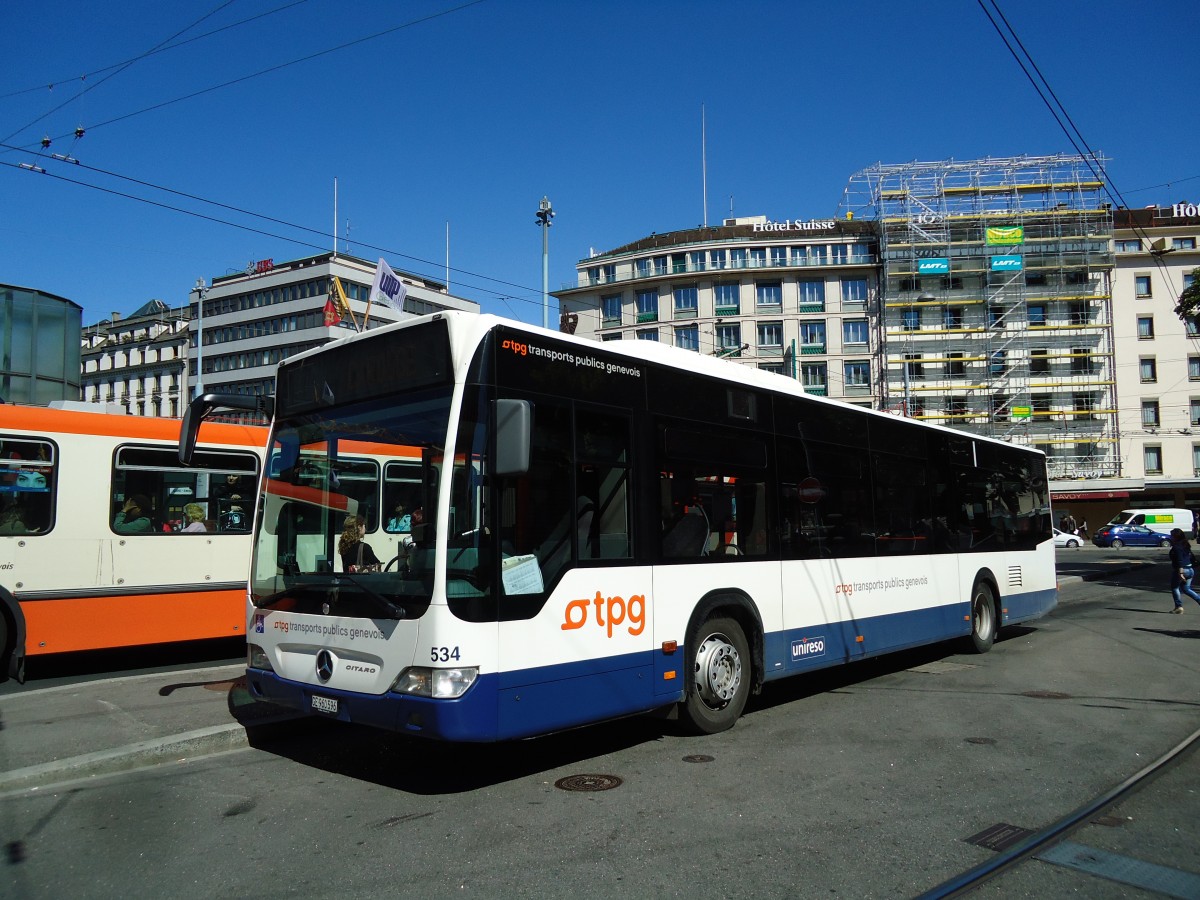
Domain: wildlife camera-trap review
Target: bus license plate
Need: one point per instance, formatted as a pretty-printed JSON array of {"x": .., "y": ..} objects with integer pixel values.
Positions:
[{"x": 324, "y": 704}]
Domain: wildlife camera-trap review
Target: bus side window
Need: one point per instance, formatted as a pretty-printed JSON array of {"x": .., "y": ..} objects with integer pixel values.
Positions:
[
  {"x": 222, "y": 485},
  {"x": 28, "y": 486}
]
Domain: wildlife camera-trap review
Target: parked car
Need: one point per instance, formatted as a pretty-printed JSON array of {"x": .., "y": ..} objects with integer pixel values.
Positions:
[
  {"x": 1118, "y": 536},
  {"x": 1065, "y": 539}
]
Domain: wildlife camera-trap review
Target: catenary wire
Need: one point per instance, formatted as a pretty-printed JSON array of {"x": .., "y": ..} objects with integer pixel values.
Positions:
[
  {"x": 161, "y": 49},
  {"x": 119, "y": 70}
]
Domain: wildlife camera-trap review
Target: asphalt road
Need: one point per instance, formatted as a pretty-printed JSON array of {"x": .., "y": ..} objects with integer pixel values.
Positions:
[{"x": 863, "y": 782}]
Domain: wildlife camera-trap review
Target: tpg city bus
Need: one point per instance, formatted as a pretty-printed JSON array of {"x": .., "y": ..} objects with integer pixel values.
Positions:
[{"x": 610, "y": 529}]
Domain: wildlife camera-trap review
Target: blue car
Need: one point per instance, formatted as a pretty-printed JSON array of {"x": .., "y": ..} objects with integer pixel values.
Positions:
[{"x": 1129, "y": 536}]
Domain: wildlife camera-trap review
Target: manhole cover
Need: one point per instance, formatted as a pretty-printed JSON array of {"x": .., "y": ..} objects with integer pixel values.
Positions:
[
  {"x": 588, "y": 783},
  {"x": 980, "y": 740},
  {"x": 1046, "y": 695},
  {"x": 698, "y": 758}
]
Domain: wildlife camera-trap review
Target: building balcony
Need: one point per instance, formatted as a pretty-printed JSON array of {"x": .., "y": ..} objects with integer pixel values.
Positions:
[
  {"x": 812, "y": 349},
  {"x": 647, "y": 317},
  {"x": 727, "y": 311}
]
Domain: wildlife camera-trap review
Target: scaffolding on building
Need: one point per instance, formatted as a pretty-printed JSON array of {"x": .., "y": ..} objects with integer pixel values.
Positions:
[{"x": 997, "y": 301}]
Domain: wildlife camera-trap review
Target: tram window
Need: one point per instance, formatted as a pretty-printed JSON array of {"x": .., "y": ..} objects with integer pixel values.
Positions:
[
  {"x": 219, "y": 493},
  {"x": 28, "y": 482}
]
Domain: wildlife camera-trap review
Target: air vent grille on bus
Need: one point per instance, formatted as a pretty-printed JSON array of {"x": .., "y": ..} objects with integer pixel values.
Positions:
[{"x": 1014, "y": 576}]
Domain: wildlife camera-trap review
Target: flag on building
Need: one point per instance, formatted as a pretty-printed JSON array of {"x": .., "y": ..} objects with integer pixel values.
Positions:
[
  {"x": 338, "y": 295},
  {"x": 331, "y": 313},
  {"x": 388, "y": 288}
]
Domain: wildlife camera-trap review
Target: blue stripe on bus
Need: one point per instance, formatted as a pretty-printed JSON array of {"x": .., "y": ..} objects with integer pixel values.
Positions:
[{"x": 539, "y": 700}]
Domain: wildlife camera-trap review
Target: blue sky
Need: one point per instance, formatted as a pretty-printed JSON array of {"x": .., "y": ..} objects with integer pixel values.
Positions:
[{"x": 472, "y": 112}]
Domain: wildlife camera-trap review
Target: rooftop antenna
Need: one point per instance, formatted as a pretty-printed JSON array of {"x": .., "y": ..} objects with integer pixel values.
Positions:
[
  {"x": 447, "y": 256},
  {"x": 335, "y": 219},
  {"x": 704, "y": 163}
]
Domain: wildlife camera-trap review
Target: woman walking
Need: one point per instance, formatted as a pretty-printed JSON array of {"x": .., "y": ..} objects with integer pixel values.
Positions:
[{"x": 1183, "y": 568}]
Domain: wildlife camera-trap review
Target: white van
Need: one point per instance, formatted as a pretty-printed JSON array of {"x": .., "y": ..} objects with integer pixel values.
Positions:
[{"x": 1160, "y": 520}]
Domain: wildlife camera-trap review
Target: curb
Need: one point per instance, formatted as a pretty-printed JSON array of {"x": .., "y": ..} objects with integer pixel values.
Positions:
[{"x": 174, "y": 748}]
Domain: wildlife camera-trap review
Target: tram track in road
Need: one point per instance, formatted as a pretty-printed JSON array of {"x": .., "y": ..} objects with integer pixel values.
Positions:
[{"x": 1050, "y": 845}]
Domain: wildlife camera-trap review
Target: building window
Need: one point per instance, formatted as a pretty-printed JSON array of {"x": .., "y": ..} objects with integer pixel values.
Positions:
[
  {"x": 1194, "y": 410},
  {"x": 1183, "y": 243},
  {"x": 854, "y": 331},
  {"x": 770, "y": 338},
  {"x": 1129, "y": 246},
  {"x": 854, "y": 291},
  {"x": 812, "y": 294},
  {"x": 1153, "y": 459},
  {"x": 954, "y": 363},
  {"x": 718, "y": 259},
  {"x": 910, "y": 320},
  {"x": 840, "y": 255},
  {"x": 685, "y": 301},
  {"x": 660, "y": 265},
  {"x": 857, "y": 374},
  {"x": 1194, "y": 368},
  {"x": 610, "y": 310},
  {"x": 1039, "y": 362},
  {"x": 737, "y": 258},
  {"x": 696, "y": 261},
  {"x": 648, "y": 334},
  {"x": 812, "y": 337},
  {"x": 1145, "y": 328},
  {"x": 998, "y": 364},
  {"x": 768, "y": 294},
  {"x": 814, "y": 378},
  {"x": 647, "y": 305},
  {"x": 1149, "y": 413},
  {"x": 1141, "y": 286},
  {"x": 725, "y": 298},
  {"x": 729, "y": 339},
  {"x": 956, "y": 407},
  {"x": 799, "y": 256},
  {"x": 779, "y": 256},
  {"x": 687, "y": 337},
  {"x": 1148, "y": 370},
  {"x": 1081, "y": 361},
  {"x": 1037, "y": 314},
  {"x": 1196, "y": 460},
  {"x": 758, "y": 257},
  {"x": 913, "y": 367}
]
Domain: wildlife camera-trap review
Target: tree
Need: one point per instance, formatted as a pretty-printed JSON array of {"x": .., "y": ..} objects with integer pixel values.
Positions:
[{"x": 1188, "y": 307}]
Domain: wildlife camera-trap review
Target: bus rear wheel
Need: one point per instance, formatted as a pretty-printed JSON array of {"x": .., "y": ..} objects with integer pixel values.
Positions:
[
  {"x": 720, "y": 659},
  {"x": 984, "y": 622}
]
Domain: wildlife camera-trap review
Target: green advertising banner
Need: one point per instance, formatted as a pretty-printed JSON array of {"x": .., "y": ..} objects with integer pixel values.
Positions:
[{"x": 1005, "y": 235}]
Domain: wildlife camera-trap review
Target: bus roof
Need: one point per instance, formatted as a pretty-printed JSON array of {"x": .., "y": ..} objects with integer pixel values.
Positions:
[{"x": 34, "y": 419}]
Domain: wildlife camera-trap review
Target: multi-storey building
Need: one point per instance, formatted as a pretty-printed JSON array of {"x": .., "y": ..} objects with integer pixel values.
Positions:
[
  {"x": 137, "y": 362},
  {"x": 1158, "y": 355},
  {"x": 252, "y": 320},
  {"x": 997, "y": 313},
  {"x": 793, "y": 297}
]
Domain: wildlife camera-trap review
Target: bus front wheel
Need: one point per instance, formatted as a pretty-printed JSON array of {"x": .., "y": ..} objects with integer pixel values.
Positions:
[
  {"x": 720, "y": 659},
  {"x": 984, "y": 622}
]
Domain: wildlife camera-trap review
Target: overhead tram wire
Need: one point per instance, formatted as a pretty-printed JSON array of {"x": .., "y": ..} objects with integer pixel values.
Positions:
[
  {"x": 270, "y": 69},
  {"x": 1109, "y": 186},
  {"x": 255, "y": 215},
  {"x": 121, "y": 69},
  {"x": 161, "y": 49},
  {"x": 318, "y": 247}
]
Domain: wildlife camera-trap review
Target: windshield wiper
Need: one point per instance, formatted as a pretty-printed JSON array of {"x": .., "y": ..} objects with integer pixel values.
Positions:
[{"x": 390, "y": 610}]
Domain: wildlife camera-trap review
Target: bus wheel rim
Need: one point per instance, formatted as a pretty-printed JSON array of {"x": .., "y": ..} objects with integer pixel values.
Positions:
[
  {"x": 718, "y": 671},
  {"x": 983, "y": 617}
]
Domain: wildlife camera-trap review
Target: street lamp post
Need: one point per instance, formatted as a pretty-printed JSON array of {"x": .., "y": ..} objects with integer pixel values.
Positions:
[
  {"x": 201, "y": 289},
  {"x": 544, "y": 214}
]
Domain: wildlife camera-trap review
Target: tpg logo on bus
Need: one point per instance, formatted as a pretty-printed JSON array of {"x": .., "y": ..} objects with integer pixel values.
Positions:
[
  {"x": 515, "y": 347},
  {"x": 808, "y": 648},
  {"x": 610, "y": 611}
]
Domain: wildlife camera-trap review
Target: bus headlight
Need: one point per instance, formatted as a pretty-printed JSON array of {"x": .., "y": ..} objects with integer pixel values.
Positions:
[
  {"x": 441, "y": 684},
  {"x": 256, "y": 658}
]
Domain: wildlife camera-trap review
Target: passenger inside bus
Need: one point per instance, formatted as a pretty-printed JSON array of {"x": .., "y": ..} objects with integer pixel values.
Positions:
[
  {"x": 134, "y": 517},
  {"x": 194, "y": 513},
  {"x": 357, "y": 555}
]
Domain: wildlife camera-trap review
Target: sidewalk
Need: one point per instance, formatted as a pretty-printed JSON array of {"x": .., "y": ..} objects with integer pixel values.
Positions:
[{"x": 51, "y": 735}]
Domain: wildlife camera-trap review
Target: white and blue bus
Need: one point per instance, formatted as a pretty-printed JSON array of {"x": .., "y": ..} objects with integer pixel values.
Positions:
[{"x": 600, "y": 530}]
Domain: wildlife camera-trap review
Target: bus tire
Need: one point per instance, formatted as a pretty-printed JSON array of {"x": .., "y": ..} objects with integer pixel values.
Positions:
[
  {"x": 984, "y": 618},
  {"x": 721, "y": 666}
]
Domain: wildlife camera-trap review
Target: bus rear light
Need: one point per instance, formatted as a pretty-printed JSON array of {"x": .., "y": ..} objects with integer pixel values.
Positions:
[
  {"x": 440, "y": 684},
  {"x": 256, "y": 658}
]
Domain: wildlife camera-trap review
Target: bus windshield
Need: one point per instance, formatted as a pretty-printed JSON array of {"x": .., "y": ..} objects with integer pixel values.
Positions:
[{"x": 325, "y": 538}]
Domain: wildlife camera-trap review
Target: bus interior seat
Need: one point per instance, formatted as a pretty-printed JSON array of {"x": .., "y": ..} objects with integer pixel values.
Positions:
[{"x": 688, "y": 536}]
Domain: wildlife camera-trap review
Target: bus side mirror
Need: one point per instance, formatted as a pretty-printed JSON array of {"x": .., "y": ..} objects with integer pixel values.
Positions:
[
  {"x": 200, "y": 408},
  {"x": 513, "y": 429}
]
